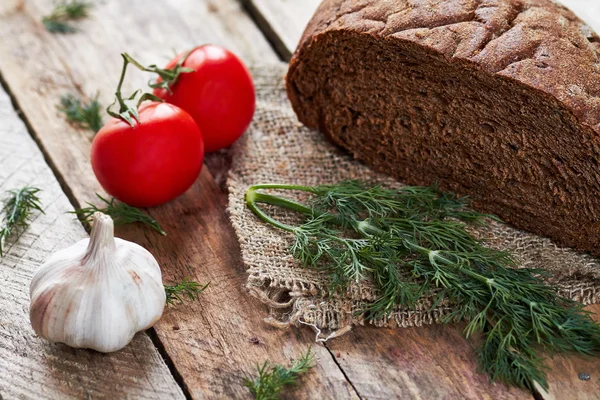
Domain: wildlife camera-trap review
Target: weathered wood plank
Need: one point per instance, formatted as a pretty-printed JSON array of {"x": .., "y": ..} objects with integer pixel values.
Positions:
[
  {"x": 437, "y": 362},
  {"x": 216, "y": 342},
  {"x": 282, "y": 21},
  {"x": 433, "y": 362},
  {"x": 31, "y": 368}
]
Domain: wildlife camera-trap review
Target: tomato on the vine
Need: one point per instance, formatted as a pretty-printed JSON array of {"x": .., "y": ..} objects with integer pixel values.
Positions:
[
  {"x": 148, "y": 154},
  {"x": 152, "y": 162},
  {"x": 216, "y": 90}
]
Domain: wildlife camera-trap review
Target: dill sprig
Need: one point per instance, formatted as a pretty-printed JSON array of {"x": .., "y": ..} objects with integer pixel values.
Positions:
[
  {"x": 411, "y": 243},
  {"x": 185, "y": 288},
  {"x": 85, "y": 115},
  {"x": 65, "y": 11},
  {"x": 121, "y": 214},
  {"x": 17, "y": 207},
  {"x": 272, "y": 378}
]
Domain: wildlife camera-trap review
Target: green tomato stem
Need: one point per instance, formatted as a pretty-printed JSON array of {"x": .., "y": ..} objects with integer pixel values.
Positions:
[
  {"x": 169, "y": 76},
  {"x": 122, "y": 106}
]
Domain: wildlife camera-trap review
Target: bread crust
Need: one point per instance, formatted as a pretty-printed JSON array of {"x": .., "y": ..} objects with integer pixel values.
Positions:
[
  {"x": 537, "y": 42},
  {"x": 546, "y": 178}
]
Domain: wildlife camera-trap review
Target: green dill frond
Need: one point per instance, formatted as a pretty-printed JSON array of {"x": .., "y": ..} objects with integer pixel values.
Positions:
[
  {"x": 86, "y": 115},
  {"x": 185, "y": 288},
  {"x": 413, "y": 242},
  {"x": 357, "y": 199},
  {"x": 65, "y": 11},
  {"x": 121, "y": 214},
  {"x": 273, "y": 378},
  {"x": 17, "y": 207}
]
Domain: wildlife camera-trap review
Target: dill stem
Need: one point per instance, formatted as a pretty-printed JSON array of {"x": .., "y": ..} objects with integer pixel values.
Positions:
[
  {"x": 284, "y": 186},
  {"x": 253, "y": 197}
]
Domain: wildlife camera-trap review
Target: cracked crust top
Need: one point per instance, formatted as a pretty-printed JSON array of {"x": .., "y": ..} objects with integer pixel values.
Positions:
[{"x": 536, "y": 42}]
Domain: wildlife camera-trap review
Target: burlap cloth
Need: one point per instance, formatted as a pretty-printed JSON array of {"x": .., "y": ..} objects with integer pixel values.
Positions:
[{"x": 278, "y": 149}]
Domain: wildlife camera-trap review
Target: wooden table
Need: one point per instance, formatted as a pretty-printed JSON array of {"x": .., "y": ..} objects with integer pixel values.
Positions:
[{"x": 203, "y": 349}]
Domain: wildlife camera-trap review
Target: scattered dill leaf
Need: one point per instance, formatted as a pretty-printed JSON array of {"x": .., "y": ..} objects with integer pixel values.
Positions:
[
  {"x": 272, "y": 378},
  {"x": 65, "y": 11},
  {"x": 17, "y": 207},
  {"x": 121, "y": 214},
  {"x": 412, "y": 242},
  {"x": 185, "y": 288},
  {"x": 85, "y": 115}
]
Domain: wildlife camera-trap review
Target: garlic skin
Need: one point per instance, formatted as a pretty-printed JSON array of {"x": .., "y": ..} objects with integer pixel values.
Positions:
[{"x": 98, "y": 293}]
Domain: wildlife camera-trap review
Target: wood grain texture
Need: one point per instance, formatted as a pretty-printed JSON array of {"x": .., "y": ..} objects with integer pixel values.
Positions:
[
  {"x": 32, "y": 368},
  {"x": 216, "y": 342},
  {"x": 282, "y": 21},
  {"x": 433, "y": 362}
]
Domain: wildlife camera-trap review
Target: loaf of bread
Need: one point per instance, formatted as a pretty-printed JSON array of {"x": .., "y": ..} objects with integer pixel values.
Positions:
[{"x": 495, "y": 99}]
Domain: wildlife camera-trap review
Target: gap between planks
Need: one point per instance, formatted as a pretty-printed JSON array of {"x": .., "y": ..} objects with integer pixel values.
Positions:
[{"x": 63, "y": 184}]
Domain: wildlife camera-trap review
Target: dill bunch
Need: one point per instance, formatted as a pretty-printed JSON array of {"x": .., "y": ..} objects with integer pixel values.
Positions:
[
  {"x": 65, "y": 11},
  {"x": 85, "y": 115},
  {"x": 186, "y": 288},
  {"x": 121, "y": 214},
  {"x": 273, "y": 378},
  {"x": 17, "y": 207},
  {"x": 412, "y": 242}
]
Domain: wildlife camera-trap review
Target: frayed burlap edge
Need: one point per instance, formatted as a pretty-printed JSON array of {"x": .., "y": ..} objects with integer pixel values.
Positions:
[{"x": 278, "y": 149}]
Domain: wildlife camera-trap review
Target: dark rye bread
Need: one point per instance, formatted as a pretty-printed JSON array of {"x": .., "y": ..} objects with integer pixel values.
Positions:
[{"x": 495, "y": 99}]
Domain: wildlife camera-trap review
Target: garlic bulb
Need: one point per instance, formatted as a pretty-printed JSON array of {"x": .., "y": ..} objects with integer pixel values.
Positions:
[{"x": 97, "y": 293}]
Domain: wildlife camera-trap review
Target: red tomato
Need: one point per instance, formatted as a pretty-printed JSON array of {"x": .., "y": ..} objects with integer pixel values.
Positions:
[
  {"x": 219, "y": 94},
  {"x": 153, "y": 162}
]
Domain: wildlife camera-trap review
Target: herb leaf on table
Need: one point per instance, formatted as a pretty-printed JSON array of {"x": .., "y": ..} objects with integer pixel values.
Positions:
[
  {"x": 65, "y": 11},
  {"x": 120, "y": 212},
  {"x": 186, "y": 288},
  {"x": 412, "y": 242},
  {"x": 86, "y": 115},
  {"x": 273, "y": 378},
  {"x": 17, "y": 208}
]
